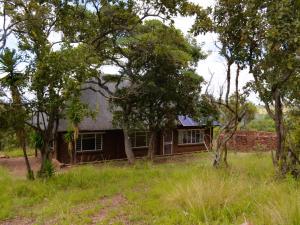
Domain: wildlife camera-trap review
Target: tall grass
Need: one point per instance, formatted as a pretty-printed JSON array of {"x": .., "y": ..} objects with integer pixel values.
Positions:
[
  {"x": 190, "y": 192},
  {"x": 246, "y": 191}
]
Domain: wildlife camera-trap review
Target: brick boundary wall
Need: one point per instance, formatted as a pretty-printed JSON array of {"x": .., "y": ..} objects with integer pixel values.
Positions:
[{"x": 253, "y": 140}]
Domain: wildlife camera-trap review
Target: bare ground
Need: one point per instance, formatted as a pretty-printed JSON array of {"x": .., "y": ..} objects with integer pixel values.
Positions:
[
  {"x": 109, "y": 204},
  {"x": 18, "y": 168},
  {"x": 17, "y": 165}
]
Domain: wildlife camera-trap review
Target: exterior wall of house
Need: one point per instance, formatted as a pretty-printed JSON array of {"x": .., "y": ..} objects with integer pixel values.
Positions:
[
  {"x": 177, "y": 148},
  {"x": 113, "y": 147}
]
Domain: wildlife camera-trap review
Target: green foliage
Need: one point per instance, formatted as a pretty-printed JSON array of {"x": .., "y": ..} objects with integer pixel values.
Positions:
[
  {"x": 36, "y": 140},
  {"x": 169, "y": 193},
  {"x": 90, "y": 35},
  {"x": 262, "y": 123},
  {"x": 206, "y": 108},
  {"x": 264, "y": 37},
  {"x": 48, "y": 170},
  {"x": 68, "y": 136},
  {"x": 293, "y": 139},
  {"x": 251, "y": 111},
  {"x": 13, "y": 116},
  {"x": 8, "y": 140},
  {"x": 77, "y": 110},
  {"x": 293, "y": 118},
  {"x": 163, "y": 82},
  {"x": 9, "y": 60}
]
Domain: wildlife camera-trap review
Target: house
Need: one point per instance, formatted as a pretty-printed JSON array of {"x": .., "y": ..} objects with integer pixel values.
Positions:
[{"x": 99, "y": 139}]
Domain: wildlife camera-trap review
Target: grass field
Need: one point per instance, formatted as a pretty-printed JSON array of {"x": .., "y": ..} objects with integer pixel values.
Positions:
[
  {"x": 16, "y": 152},
  {"x": 189, "y": 192}
]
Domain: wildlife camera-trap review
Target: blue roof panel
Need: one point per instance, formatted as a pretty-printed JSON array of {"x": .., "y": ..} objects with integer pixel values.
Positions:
[{"x": 189, "y": 122}]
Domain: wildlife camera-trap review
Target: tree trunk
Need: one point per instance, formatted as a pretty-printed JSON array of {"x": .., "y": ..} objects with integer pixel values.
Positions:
[
  {"x": 279, "y": 124},
  {"x": 225, "y": 154},
  {"x": 20, "y": 130},
  {"x": 46, "y": 169},
  {"x": 217, "y": 158},
  {"x": 221, "y": 149},
  {"x": 22, "y": 141},
  {"x": 152, "y": 145},
  {"x": 128, "y": 147}
]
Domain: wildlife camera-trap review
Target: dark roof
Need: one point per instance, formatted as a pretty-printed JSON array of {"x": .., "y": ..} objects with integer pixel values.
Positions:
[
  {"x": 96, "y": 101},
  {"x": 104, "y": 117}
]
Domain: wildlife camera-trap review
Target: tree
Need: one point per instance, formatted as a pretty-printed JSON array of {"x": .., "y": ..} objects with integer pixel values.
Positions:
[
  {"x": 293, "y": 136},
  {"x": 55, "y": 75},
  {"x": 96, "y": 26},
  {"x": 57, "y": 83},
  {"x": 105, "y": 25},
  {"x": 249, "y": 114},
  {"x": 16, "y": 113},
  {"x": 162, "y": 83},
  {"x": 264, "y": 36}
]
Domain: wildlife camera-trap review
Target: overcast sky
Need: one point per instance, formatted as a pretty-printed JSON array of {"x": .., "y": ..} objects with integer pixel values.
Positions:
[{"x": 212, "y": 64}]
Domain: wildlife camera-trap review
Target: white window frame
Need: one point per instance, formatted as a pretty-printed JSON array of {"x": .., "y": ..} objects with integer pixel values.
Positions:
[
  {"x": 181, "y": 134},
  {"x": 133, "y": 139},
  {"x": 92, "y": 150}
]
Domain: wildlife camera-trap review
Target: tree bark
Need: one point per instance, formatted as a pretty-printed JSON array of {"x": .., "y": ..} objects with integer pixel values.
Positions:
[
  {"x": 45, "y": 171},
  {"x": 22, "y": 140},
  {"x": 30, "y": 174},
  {"x": 152, "y": 145},
  {"x": 20, "y": 130},
  {"x": 280, "y": 132},
  {"x": 44, "y": 160},
  {"x": 128, "y": 146}
]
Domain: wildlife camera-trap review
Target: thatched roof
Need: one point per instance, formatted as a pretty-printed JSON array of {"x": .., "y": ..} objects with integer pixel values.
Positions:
[
  {"x": 96, "y": 101},
  {"x": 104, "y": 117}
]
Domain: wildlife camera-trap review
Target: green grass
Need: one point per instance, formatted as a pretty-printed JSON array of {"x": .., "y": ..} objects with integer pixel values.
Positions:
[
  {"x": 16, "y": 152},
  {"x": 190, "y": 192}
]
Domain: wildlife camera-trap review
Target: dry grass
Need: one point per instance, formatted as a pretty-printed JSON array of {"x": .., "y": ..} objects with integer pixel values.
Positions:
[{"x": 189, "y": 192}]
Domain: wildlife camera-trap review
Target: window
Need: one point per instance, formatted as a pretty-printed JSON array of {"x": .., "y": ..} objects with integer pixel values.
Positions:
[
  {"x": 195, "y": 136},
  {"x": 140, "y": 139},
  {"x": 89, "y": 142}
]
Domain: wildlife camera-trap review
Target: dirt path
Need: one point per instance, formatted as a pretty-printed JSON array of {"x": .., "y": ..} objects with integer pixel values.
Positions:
[
  {"x": 17, "y": 165},
  {"x": 110, "y": 204}
]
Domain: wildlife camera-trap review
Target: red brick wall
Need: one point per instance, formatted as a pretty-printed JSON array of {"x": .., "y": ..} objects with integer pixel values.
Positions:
[{"x": 252, "y": 140}]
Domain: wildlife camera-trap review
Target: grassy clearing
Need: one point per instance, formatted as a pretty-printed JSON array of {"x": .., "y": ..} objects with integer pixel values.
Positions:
[
  {"x": 172, "y": 193},
  {"x": 16, "y": 152}
]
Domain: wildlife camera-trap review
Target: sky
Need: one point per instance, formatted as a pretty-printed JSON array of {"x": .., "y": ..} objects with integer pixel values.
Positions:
[{"x": 213, "y": 64}]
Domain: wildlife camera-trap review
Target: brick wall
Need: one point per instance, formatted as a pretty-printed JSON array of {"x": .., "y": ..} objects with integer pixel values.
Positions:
[{"x": 252, "y": 140}]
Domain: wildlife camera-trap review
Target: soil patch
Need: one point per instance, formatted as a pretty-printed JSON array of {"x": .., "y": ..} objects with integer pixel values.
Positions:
[
  {"x": 109, "y": 204},
  {"x": 17, "y": 166}
]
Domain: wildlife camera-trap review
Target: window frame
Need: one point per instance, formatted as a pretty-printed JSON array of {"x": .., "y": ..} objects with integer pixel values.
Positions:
[
  {"x": 133, "y": 135},
  {"x": 182, "y": 132},
  {"x": 91, "y": 150}
]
